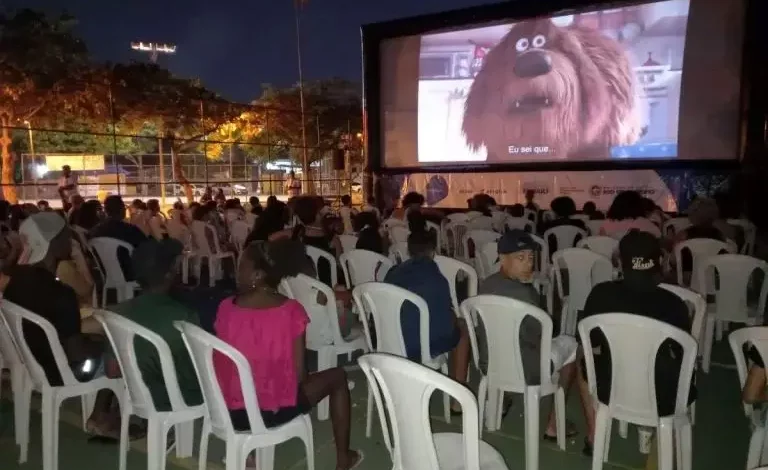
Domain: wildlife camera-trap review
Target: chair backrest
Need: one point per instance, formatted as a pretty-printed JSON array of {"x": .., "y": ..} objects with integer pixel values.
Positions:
[
  {"x": 547, "y": 216},
  {"x": 498, "y": 220},
  {"x": 450, "y": 269},
  {"x": 9, "y": 350},
  {"x": 361, "y": 266},
  {"x": 178, "y": 231},
  {"x": 317, "y": 254},
  {"x": 531, "y": 215},
  {"x": 634, "y": 342},
  {"x": 472, "y": 214},
  {"x": 323, "y": 328},
  {"x": 729, "y": 278},
  {"x": 697, "y": 307},
  {"x": 239, "y": 231},
  {"x": 593, "y": 226},
  {"x": 474, "y": 239},
  {"x": 674, "y": 226},
  {"x": 348, "y": 242},
  {"x": 606, "y": 246},
  {"x": 542, "y": 257},
  {"x": 582, "y": 217},
  {"x": 487, "y": 260},
  {"x": 398, "y": 233},
  {"x": 565, "y": 236},
  {"x": 402, "y": 391},
  {"x": 750, "y": 233},
  {"x": 585, "y": 270},
  {"x": 438, "y": 232},
  {"x": 700, "y": 249},
  {"x": 121, "y": 333},
  {"x": 501, "y": 318},
  {"x": 398, "y": 252},
  {"x": 457, "y": 217},
  {"x": 384, "y": 302},
  {"x": 481, "y": 223},
  {"x": 454, "y": 233},
  {"x": 391, "y": 222},
  {"x": 204, "y": 238},
  {"x": 740, "y": 340},
  {"x": 106, "y": 249},
  {"x": 520, "y": 223},
  {"x": 202, "y": 346},
  {"x": 15, "y": 316}
]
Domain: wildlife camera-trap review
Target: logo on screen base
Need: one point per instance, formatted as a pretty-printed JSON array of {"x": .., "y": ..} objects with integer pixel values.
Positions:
[{"x": 595, "y": 191}]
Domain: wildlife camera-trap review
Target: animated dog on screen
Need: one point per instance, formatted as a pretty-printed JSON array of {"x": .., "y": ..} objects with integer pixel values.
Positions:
[{"x": 567, "y": 91}]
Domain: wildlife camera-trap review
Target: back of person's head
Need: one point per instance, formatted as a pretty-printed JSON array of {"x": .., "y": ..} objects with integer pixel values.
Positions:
[
  {"x": 703, "y": 212},
  {"x": 46, "y": 237},
  {"x": 589, "y": 208},
  {"x": 138, "y": 204},
  {"x": 626, "y": 205},
  {"x": 43, "y": 205},
  {"x": 422, "y": 244},
  {"x": 178, "y": 205},
  {"x": 272, "y": 200},
  {"x": 88, "y": 215},
  {"x": 346, "y": 200},
  {"x": 232, "y": 204},
  {"x": 253, "y": 201},
  {"x": 416, "y": 221},
  {"x": 5, "y": 209},
  {"x": 156, "y": 263},
  {"x": 366, "y": 221},
  {"x": 306, "y": 208},
  {"x": 641, "y": 258},
  {"x": 413, "y": 199},
  {"x": 268, "y": 263},
  {"x": 563, "y": 206},
  {"x": 529, "y": 195},
  {"x": 153, "y": 205},
  {"x": 517, "y": 210},
  {"x": 199, "y": 212}
]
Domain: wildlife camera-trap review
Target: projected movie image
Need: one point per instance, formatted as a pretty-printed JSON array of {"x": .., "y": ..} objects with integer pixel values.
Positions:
[{"x": 591, "y": 86}]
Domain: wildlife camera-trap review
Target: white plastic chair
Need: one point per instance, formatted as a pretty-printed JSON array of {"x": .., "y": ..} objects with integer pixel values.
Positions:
[
  {"x": 672, "y": 227},
  {"x": 398, "y": 233},
  {"x": 239, "y": 231},
  {"x": 520, "y": 223},
  {"x": 606, "y": 246},
  {"x": 731, "y": 305},
  {"x": 501, "y": 319},
  {"x": 634, "y": 342},
  {"x": 384, "y": 303},
  {"x": 348, "y": 242},
  {"x": 361, "y": 266},
  {"x": 548, "y": 216},
  {"x": 438, "y": 232},
  {"x": 593, "y": 226},
  {"x": 471, "y": 215},
  {"x": 531, "y": 215},
  {"x": 106, "y": 250},
  {"x": 478, "y": 239},
  {"x": 750, "y": 233},
  {"x": 451, "y": 269},
  {"x": 565, "y": 236},
  {"x": 52, "y": 396},
  {"x": 398, "y": 252},
  {"x": 487, "y": 259},
  {"x": 454, "y": 234},
  {"x": 239, "y": 444},
  {"x": 137, "y": 399},
  {"x": 457, "y": 217},
  {"x": 700, "y": 249},
  {"x": 206, "y": 246},
  {"x": 499, "y": 217},
  {"x": 585, "y": 269},
  {"x": 11, "y": 359},
  {"x": 582, "y": 217},
  {"x": 316, "y": 254},
  {"x": 402, "y": 390},
  {"x": 482, "y": 222},
  {"x": 323, "y": 332}
]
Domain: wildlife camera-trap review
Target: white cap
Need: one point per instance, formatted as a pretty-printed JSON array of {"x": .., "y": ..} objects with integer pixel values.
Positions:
[{"x": 38, "y": 230}]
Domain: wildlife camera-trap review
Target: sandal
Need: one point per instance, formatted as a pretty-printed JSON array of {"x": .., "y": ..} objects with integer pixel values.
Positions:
[
  {"x": 570, "y": 431},
  {"x": 361, "y": 457}
]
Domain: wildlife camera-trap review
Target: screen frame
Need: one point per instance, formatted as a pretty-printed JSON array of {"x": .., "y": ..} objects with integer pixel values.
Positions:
[{"x": 514, "y": 11}]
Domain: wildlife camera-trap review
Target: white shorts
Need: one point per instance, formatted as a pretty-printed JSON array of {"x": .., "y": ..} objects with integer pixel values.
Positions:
[{"x": 564, "y": 349}]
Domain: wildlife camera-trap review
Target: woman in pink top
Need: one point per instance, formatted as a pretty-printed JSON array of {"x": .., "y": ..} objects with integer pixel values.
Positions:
[
  {"x": 627, "y": 212},
  {"x": 268, "y": 329}
]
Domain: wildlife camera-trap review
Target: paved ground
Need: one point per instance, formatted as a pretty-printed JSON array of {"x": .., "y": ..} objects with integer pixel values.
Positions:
[{"x": 720, "y": 441}]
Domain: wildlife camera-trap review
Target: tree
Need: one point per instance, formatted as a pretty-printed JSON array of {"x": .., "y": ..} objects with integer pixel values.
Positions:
[{"x": 42, "y": 70}]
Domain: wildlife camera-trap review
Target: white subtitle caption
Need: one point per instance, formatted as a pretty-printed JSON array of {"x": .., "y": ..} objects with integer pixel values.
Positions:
[{"x": 527, "y": 150}]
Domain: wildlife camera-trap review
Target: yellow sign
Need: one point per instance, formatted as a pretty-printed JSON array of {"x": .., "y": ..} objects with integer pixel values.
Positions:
[{"x": 76, "y": 162}]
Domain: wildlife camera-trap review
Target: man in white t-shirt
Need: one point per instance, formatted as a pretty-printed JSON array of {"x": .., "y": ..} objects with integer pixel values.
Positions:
[{"x": 67, "y": 184}]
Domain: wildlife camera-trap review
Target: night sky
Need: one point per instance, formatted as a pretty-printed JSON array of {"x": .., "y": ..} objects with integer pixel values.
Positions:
[{"x": 236, "y": 45}]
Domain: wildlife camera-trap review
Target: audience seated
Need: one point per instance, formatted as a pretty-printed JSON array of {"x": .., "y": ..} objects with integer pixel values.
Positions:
[
  {"x": 156, "y": 220},
  {"x": 370, "y": 206},
  {"x": 517, "y": 210},
  {"x": 704, "y": 216},
  {"x": 564, "y": 208},
  {"x": 115, "y": 226},
  {"x": 347, "y": 213},
  {"x": 89, "y": 215},
  {"x": 421, "y": 275},
  {"x": 310, "y": 229},
  {"x": 590, "y": 209},
  {"x": 637, "y": 293},
  {"x": 137, "y": 216},
  {"x": 515, "y": 280},
  {"x": 529, "y": 204},
  {"x": 269, "y": 330},
  {"x": 627, "y": 212},
  {"x": 271, "y": 222},
  {"x": 369, "y": 234}
]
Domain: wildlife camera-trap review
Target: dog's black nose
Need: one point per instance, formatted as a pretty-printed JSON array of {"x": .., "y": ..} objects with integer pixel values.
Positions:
[{"x": 532, "y": 64}]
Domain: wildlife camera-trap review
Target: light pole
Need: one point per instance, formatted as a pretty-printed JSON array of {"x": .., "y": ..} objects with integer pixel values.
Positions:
[
  {"x": 32, "y": 153},
  {"x": 297, "y": 6}
]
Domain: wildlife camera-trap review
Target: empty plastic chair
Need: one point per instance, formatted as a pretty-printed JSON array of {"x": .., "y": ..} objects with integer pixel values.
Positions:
[
  {"x": 634, "y": 342},
  {"x": 239, "y": 231},
  {"x": 401, "y": 389},
  {"x": 206, "y": 247},
  {"x": 398, "y": 252},
  {"x": 454, "y": 234},
  {"x": 487, "y": 260},
  {"x": 593, "y": 227},
  {"x": 348, "y": 242},
  {"x": 672, "y": 227},
  {"x": 398, "y": 233},
  {"x": 606, "y": 246},
  {"x": 563, "y": 236},
  {"x": 316, "y": 254},
  {"x": 750, "y": 232},
  {"x": 106, "y": 249},
  {"x": 700, "y": 249},
  {"x": 361, "y": 266},
  {"x": 452, "y": 269},
  {"x": 520, "y": 223},
  {"x": 10, "y": 358},
  {"x": 481, "y": 223},
  {"x": 217, "y": 421},
  {"x": 138, "y": 401},
  {"x": 52, "y": 395},
  {"x": 473, "y": 240}
]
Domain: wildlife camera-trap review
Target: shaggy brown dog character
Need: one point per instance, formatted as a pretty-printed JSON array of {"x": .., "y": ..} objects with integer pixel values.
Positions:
[{"x": 552, "y": 92}]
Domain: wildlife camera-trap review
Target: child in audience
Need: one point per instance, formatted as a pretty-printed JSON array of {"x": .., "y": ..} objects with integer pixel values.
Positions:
[{"x": 269, "y": 330}]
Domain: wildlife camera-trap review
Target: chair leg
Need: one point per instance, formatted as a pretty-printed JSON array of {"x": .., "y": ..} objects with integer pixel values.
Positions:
[
  {"x": 22, "y": 400},
  {"x": 532, "y": 399},
  {"x": 125, "y": 415},
  {"x": 719, "y": 329},
  {"x": 708, "y": 338},
  {"x": 491, "y": 422},
  {"x": 482, "y": 395},
  {"x": 185, "y": 435},
  {"x": 326, "y": 359},
  {"x": 560, "y": 415},
  {"x": 369, "y": 413},
  {"x": 309, "y": 445},
  {"x": 265, "y": 458},
  {"x": 87, "y": 403},
  {"x": 602, "y": 419},
  {"x": 157, "y": 438},
  {"x": 683, "y": 445},
  {"x": 50, "y": 424},
  {"x": 233, "y": 458},
  {"x": 608, "y": 433},
  {"x": 623, "y": 429},
  {"x": 205, "y": 437},
  {"x": 665, "y": 443},
  {"x": 446, "y": 399}
]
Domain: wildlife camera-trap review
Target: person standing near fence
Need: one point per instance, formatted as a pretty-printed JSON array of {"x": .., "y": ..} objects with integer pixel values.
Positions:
[
  {"x": 67, "y": 185},
  {"x": 293, "y": 185}
]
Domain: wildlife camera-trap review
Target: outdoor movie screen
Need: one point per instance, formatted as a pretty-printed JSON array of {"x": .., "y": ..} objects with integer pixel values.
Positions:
[{"x": 642, "y": 82}]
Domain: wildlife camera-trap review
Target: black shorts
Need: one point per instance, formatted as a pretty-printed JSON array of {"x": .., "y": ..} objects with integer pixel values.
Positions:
[{"x": 272, "y": 419}]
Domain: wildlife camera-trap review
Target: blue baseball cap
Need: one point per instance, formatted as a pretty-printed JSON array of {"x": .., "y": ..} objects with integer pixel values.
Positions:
[{"x": 515, "y": 240}]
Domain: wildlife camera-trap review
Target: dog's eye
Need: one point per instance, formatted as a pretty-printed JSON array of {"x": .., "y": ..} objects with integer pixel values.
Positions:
[
  {"x": 539, "y": 41},
  {"x": 522, "y": 45}
]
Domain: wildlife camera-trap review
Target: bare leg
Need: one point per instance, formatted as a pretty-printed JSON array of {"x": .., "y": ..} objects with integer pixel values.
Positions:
[
  {"x": 567, "y": 374},
  {"x": 460, "y": 355},
  {"x": 586, "y": 405},
  {"x": 333, "y": 383}
]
